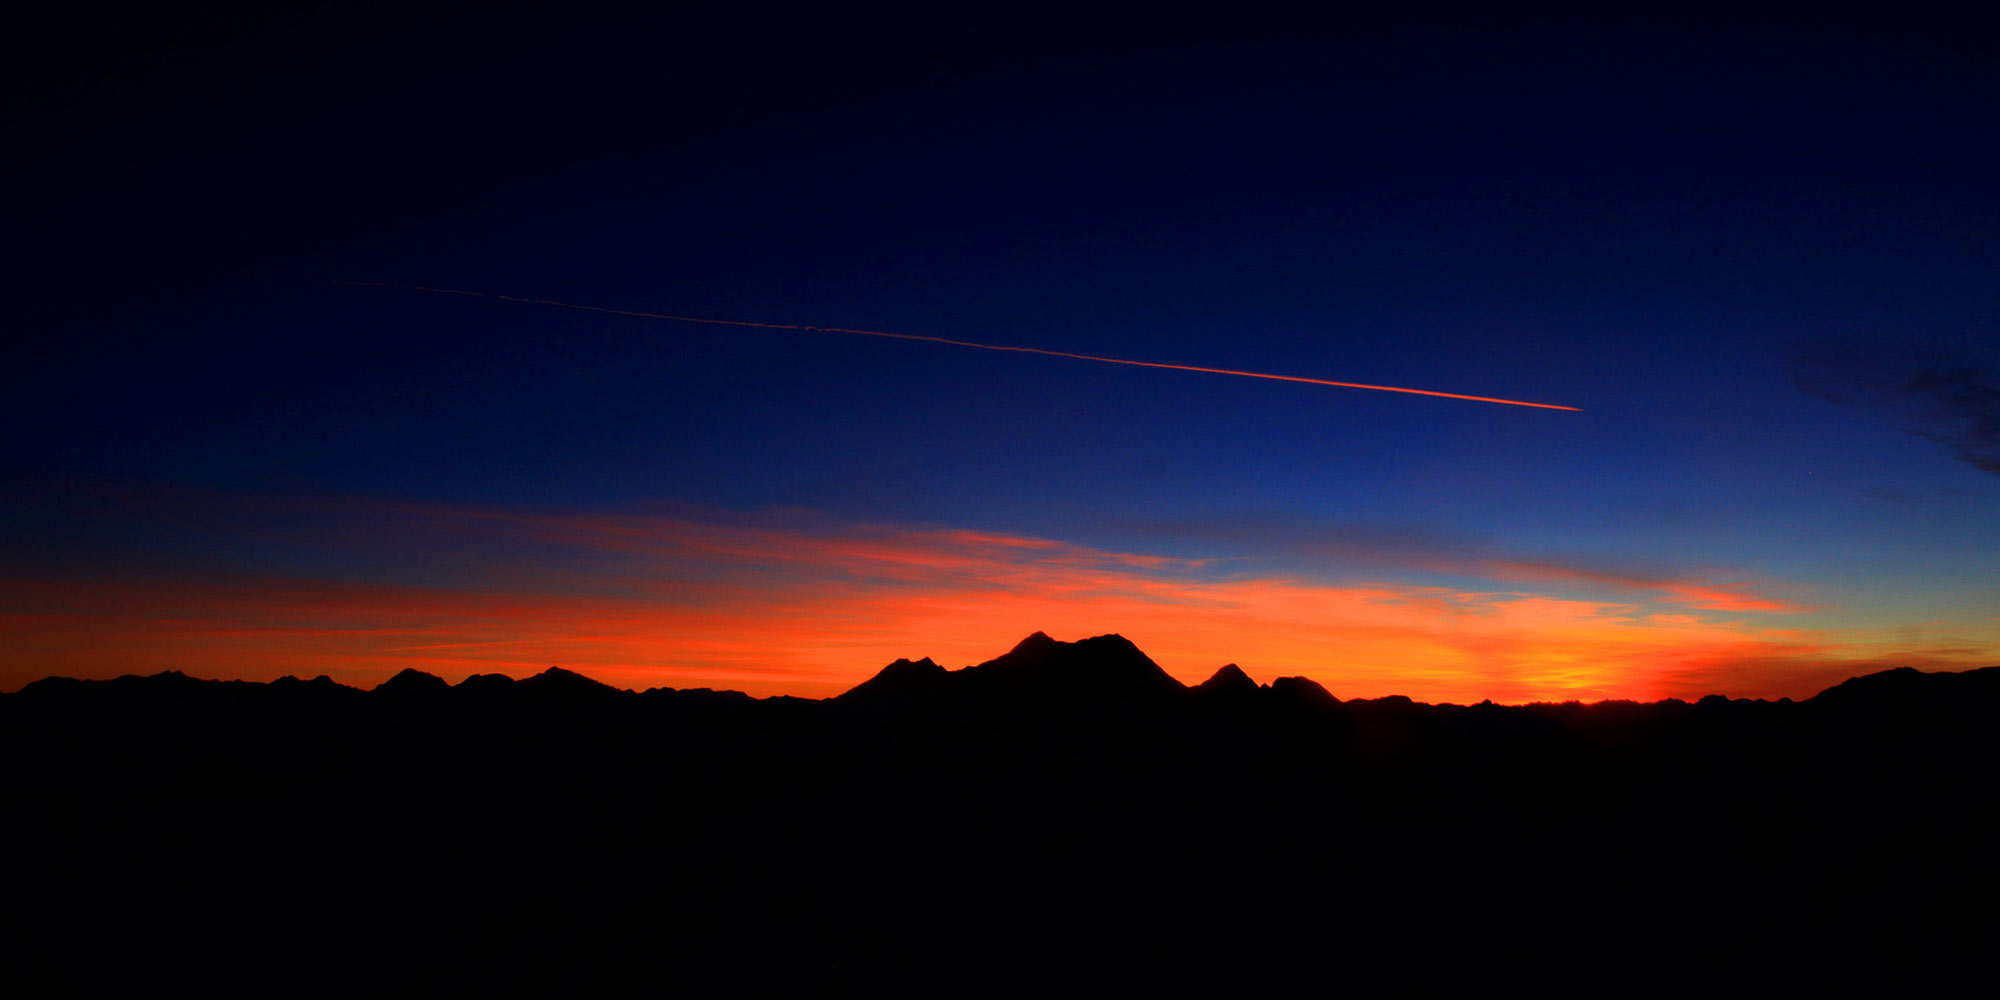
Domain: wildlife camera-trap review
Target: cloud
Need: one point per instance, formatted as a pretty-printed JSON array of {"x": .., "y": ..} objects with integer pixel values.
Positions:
[
  {"x": 1946, "y": 397},
  {"x": 1344, "y": 546}
]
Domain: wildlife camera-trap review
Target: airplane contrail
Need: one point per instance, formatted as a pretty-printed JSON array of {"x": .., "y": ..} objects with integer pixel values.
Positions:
[{"x": 808, "y": 328}]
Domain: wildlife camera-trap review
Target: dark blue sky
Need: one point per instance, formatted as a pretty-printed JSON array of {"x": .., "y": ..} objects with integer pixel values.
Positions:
[{"x": 1680, "y": 225}]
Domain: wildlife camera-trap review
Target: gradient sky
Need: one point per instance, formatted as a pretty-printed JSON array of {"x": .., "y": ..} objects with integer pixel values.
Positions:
[{"x": 1762, "y": 258}]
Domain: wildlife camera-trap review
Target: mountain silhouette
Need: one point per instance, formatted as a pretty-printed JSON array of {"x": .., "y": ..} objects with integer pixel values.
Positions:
[
  {"x": 1039, "y": 674},
  {"x": 555, "y": 682},
  {"x": 1041, "y": 669},
  {"x": 1228, "y": 682},
  {"x": 486, "y": 686},
  {"x": 1063, "y": 806},
  {"x": 1303, "y": 692},
  {"x": 901, "y": 682},
  {"x": 411, "y": 683}
]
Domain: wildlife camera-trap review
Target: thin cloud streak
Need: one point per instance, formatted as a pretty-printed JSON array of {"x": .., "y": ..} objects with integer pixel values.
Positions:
[
  {"x": 1692, "y": 593},
  {"x": 1264, "y": 538},
  {"x": 923, "y": 338}
]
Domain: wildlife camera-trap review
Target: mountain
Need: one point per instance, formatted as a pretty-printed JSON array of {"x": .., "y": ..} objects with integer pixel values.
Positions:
[
  {"x": 1228, "y": 682},
  {"x": 1102, "y": 668},
  {"x": 555, "y": 682},
  {"x": 1038, "y": 670},
  {"x": 1038, "y": 673},
  {"x": 1062, "y": 804},
  {"x": 411, "y": 683},
  {"x": 1908, "y": 686},
  {"x": 487, "y": 686},
  {"x": 902, "y": 682},
  {"x": 1303, "y": 692}
]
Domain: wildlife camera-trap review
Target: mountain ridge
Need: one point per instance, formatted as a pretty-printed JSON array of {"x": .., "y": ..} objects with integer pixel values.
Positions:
[
  {"x": 1101, "y": 666},
  {"x": 1058, "y": 797}
]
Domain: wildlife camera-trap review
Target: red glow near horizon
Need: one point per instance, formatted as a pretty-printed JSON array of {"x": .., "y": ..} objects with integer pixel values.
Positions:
[{"x": 777, "y": 608}]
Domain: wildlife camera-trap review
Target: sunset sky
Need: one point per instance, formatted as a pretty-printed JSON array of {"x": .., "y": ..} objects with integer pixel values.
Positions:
[{"x": 1762, "y": 259}]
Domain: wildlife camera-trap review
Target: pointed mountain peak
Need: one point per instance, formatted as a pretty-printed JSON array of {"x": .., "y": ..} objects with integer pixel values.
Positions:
[
  {"x": 558, "y": 679},
  {"x": 902, "y": 678},
  {"x": 1039, "y": 642},
  {"x": 1230, "y": 680},
  {"x": 908, "y": 671}
]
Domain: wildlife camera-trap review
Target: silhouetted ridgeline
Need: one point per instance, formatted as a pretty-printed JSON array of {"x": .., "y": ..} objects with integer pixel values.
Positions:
[{"x": 1068, "y": 806}]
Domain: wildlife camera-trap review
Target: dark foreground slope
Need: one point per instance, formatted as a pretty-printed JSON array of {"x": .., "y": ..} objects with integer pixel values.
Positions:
[{"x": 1065, "y": 810}]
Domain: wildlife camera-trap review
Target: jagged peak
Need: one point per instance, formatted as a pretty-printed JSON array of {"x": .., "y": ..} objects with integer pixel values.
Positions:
[
  {"x": 905, "y": 667},
  {"x": 901, "y": 675},
  {"x": 1038, "y": 641},
  {"x": 568, "y": 680},
  {"x": 1230, "y": 678}
]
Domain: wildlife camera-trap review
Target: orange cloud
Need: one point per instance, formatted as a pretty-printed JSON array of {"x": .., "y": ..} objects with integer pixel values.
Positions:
[
  {"x": 789, "y": 603},
  {"x": 1261, "y": 536},
  {"x": 1692, "y": 593}
]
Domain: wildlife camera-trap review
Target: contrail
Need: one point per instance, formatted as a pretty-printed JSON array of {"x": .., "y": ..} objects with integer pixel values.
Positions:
[{"x": 807, "y": 328}]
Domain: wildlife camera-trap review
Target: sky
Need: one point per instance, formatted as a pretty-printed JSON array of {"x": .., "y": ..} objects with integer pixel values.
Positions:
[{"x": 300, "y": 383}]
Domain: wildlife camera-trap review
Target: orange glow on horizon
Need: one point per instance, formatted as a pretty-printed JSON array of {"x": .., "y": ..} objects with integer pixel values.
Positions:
[{"x": 775, "y": 608}]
